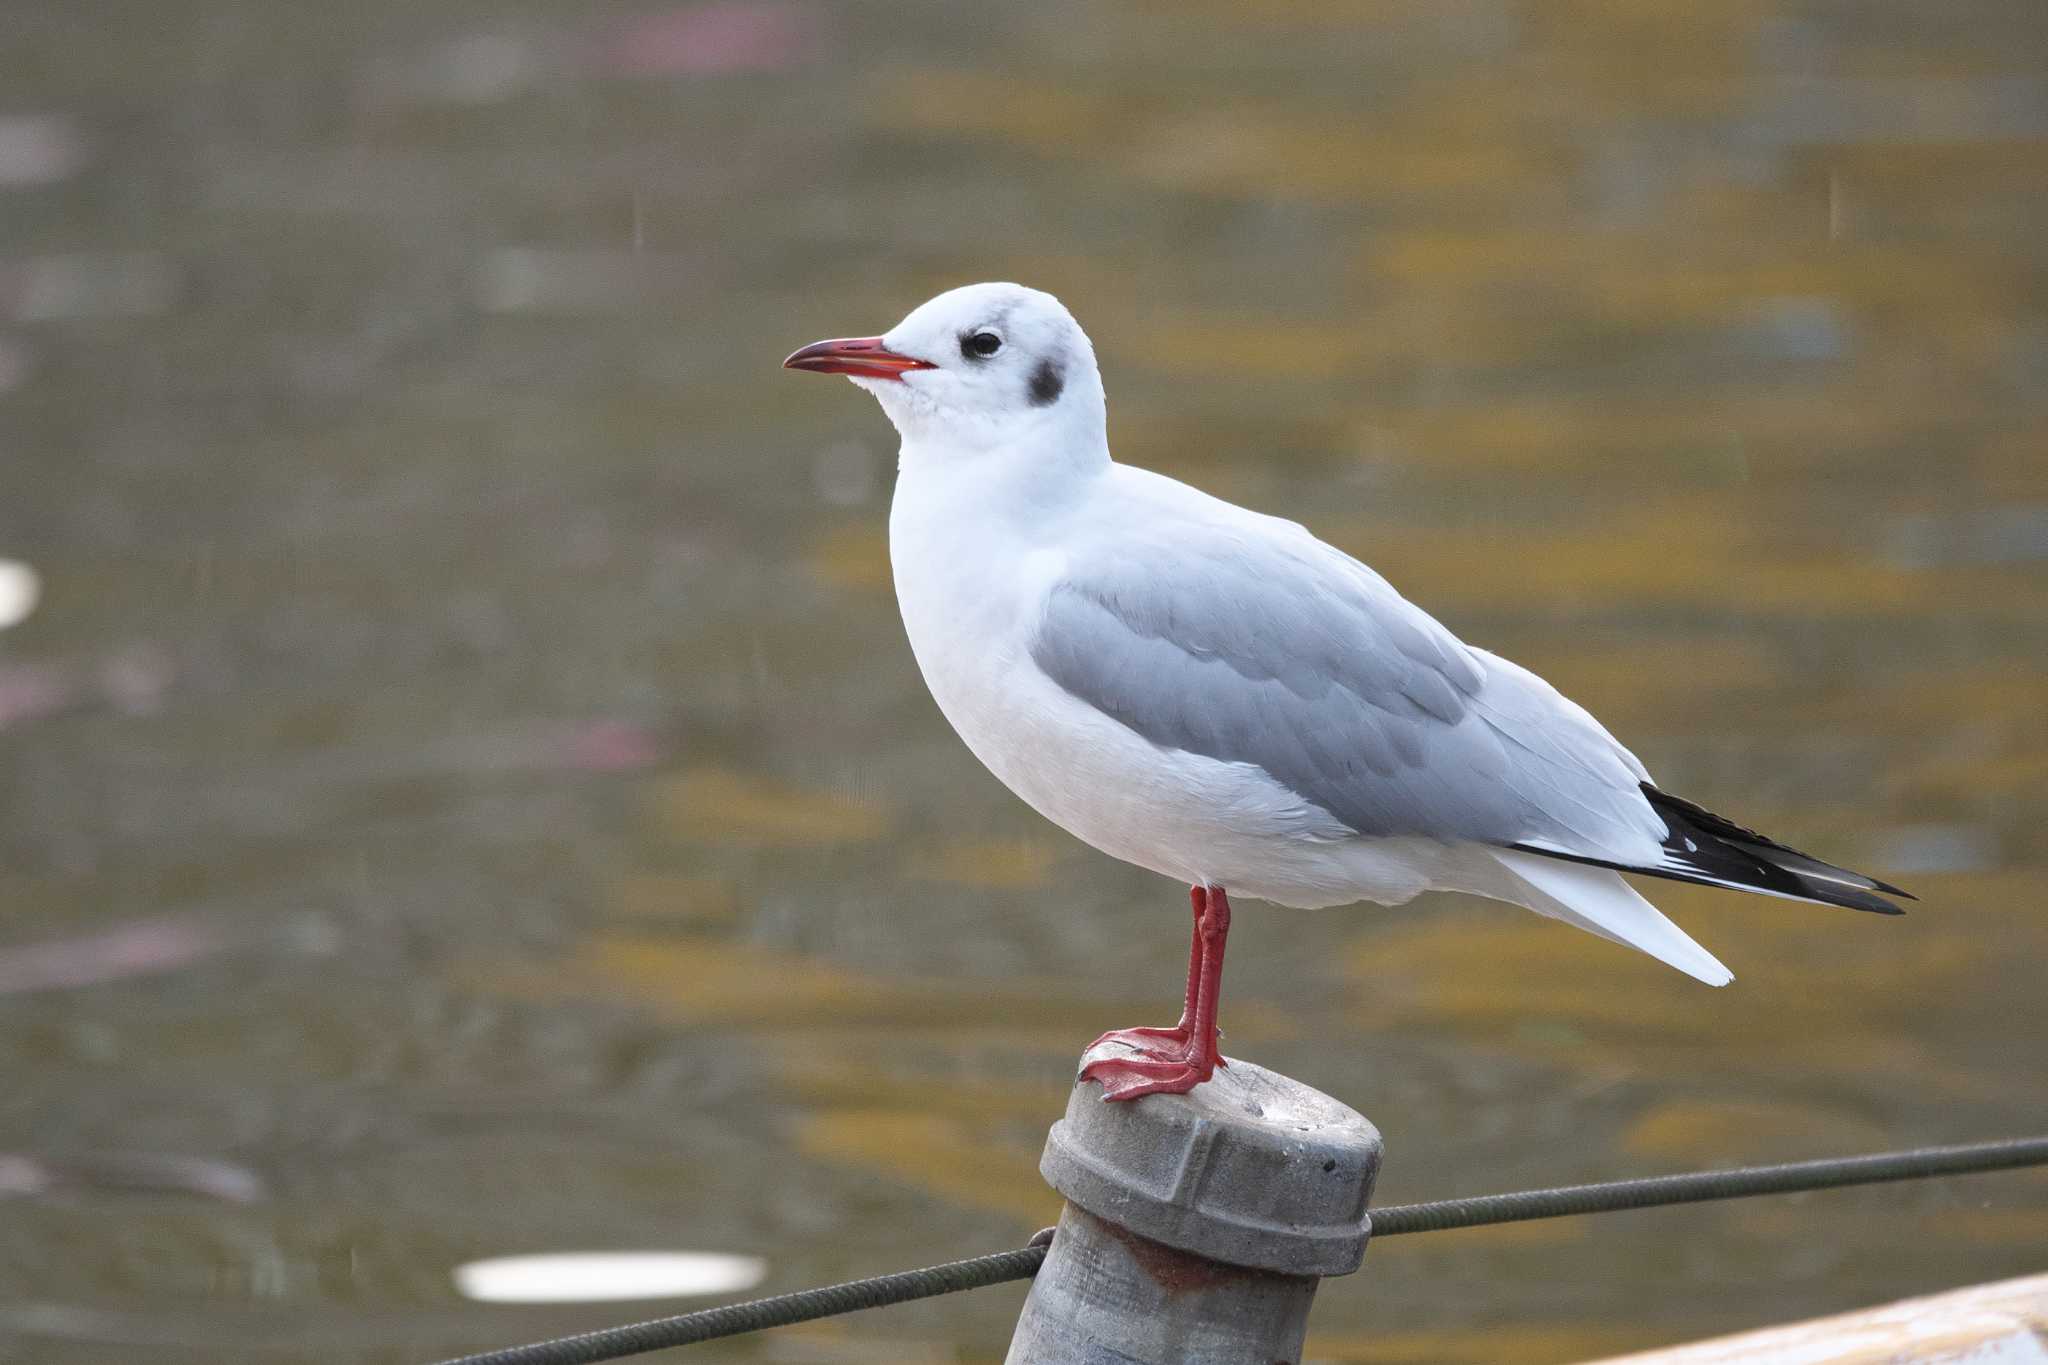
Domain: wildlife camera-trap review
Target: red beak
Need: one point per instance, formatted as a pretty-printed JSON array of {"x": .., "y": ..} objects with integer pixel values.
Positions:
[{"x": 864, "y": 356}]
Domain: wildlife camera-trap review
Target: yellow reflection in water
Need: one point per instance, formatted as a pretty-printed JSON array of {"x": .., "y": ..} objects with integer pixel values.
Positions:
[
  {"x": 1663, "y": 555},
  {"x": 702, "y": 980},
  {"x": 1509, "y": 975},
  {"x": 946, "y": 1156},
  {"x": 674, "y": 897},
  {"x": 717, "y": 806},
  {"x": 705, "y": 979},
  {"x": 1687, "y": 1131},
  {"x": 1008, "y": 864},
  {"x": 854, "y": 556}
]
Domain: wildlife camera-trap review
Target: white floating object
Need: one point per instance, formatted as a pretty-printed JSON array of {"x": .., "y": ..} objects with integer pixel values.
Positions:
[
  {"x": 601, "y": 1276},
  {"x": 20, "y": 589}
]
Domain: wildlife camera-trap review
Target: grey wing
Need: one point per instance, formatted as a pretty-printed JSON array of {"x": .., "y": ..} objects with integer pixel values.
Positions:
[{"x": 1279, "y": 651}]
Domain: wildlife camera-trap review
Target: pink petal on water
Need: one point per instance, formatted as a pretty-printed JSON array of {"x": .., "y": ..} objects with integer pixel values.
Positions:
[
  {"x": 134, "y": 680},
  {"x": 146, "y": 1172},
  {"x": 610, "y": 746},
  {"x": 31, "y": 690},
  {"x": 140, "y": 948},
  {"x": 701, "y": 40},
  {"x": 36, "y": 149}
]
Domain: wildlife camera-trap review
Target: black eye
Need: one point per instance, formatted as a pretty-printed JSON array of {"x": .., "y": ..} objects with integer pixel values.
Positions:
[{"x": 980, "y": 345}]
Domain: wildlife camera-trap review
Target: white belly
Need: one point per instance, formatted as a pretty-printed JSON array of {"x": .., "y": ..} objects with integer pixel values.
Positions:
[{"x": 1182, "y": 815}]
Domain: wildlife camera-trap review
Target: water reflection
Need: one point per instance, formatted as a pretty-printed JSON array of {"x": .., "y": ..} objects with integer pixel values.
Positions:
[{"x": 465, "y": 776}]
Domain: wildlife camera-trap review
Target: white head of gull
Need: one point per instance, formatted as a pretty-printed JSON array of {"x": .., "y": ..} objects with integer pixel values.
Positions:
[{"x": 1221, "y": 697}]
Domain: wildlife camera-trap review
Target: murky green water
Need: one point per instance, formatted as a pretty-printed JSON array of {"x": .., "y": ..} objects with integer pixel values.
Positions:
[{"x": 466, "y": 791}]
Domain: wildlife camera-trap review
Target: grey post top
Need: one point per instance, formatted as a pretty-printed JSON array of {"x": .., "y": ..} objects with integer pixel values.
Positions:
[{"x": 1250, "y": 1168}]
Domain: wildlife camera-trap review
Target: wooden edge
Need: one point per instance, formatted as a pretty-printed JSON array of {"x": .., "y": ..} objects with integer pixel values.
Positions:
[{"x": 2004, "y": 1323}]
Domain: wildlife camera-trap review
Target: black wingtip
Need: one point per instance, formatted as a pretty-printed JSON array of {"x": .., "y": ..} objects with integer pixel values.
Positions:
[
  {"x": 1854, "y": 900},
  {"x": 1724, "y": 853}
]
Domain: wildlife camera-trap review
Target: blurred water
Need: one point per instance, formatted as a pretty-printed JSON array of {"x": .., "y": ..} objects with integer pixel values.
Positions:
[{"x": 466, "y": 792}]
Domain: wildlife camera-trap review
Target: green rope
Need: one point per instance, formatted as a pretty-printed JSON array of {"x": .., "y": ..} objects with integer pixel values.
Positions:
[{"x": 1699, "y": 1185}]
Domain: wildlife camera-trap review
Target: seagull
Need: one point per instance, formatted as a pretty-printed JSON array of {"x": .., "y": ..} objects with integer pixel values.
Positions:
[{"x": 1220, "y": 697}]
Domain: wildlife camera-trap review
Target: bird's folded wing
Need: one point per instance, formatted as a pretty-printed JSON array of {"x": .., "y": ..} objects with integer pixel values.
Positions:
[{"x": 1262, "y": 645}]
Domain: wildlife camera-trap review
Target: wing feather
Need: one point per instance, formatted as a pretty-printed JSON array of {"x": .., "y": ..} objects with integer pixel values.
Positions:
[{"x": 1279, "y": 651}]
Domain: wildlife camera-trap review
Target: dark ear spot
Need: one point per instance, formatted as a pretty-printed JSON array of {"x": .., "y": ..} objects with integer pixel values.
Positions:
[{"x": 1046, "y": 383}]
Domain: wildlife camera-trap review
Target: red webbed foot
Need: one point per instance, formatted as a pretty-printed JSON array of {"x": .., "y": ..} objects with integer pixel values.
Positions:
[
  {"x": 1158, "y": 1043},
  {"x": 1166, "y": 1071}
]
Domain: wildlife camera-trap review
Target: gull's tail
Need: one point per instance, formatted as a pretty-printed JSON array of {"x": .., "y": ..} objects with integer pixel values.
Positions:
[{"x": 1598, "y": 900}]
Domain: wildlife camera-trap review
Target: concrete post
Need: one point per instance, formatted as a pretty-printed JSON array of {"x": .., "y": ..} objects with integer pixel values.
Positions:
[{"x": 1197, "y": 1226}]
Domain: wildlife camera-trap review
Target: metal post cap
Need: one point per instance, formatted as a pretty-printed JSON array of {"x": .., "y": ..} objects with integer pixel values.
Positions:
[{"x": 1249, "y": 1168}]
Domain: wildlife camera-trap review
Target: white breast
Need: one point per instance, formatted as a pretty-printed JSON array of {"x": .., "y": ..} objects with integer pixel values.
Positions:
[{"x": 972, "y": 581}]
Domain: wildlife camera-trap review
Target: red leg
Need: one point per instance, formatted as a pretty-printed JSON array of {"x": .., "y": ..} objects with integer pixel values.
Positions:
[
  {"x": 1176, "y": 1060},
  {"x": 1215, "y": 931}
]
